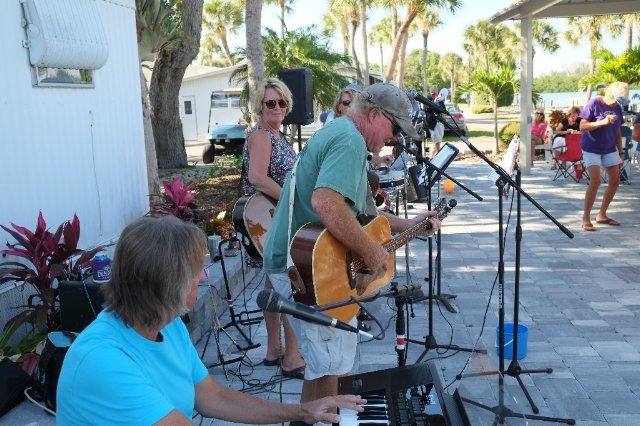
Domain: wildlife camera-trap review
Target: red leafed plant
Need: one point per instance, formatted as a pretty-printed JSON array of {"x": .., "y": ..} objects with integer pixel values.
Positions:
[
  {"x": 44, "y": 257},
  {"x": 177, "y": 201}
]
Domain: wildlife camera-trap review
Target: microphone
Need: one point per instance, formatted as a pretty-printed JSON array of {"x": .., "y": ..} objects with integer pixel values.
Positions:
[
  {"x": 271, "y": 301},
  {"x": 413, "y": 94}
]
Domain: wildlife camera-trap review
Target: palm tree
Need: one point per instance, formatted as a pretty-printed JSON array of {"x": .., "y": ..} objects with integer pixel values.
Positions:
[
  {"x": 381, "y": 35},
  {"x": 365, "y": 42},
  {"x": 496, "y": 84},
  {"x": 450, "y": 65},
  {"x": 414, "y": 7},
  {"x": 488, "y": 41},
  {"x": 285, "y": 6},
  {"x": 255, "y": 72},
  {"x": 173, "y": 60},
  {"x": 221, "y": 17},
  {"x": 350, "y": 12},
  {"x": 428, "y": 20},
  {"x": 403, "y": 52},
  {"x": 156, "y": 25},
  {"x": 591, "y": 28},
  {"x": 630, "y": 20},
  {"x": 302, "y": 48},
  {"x": 333, "y": 20}
]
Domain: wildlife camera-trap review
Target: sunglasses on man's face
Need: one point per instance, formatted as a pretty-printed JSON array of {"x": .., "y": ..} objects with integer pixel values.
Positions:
[
  {"x": 271, "y": 104},
  {"x": 396, "y": 128},
  {"x": 346, "y": 102}
]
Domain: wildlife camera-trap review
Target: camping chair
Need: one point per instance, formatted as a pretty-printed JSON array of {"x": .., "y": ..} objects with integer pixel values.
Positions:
[{"x": 570, "y": 163}]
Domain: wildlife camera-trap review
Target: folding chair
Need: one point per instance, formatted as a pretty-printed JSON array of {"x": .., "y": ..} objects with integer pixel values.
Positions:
[{"x": 570, "y": 162}]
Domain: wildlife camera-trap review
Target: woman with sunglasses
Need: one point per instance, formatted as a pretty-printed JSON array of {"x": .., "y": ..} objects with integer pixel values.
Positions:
[
  {"x": 267, "y": 157},
  {"x": 538, "y": 130}
]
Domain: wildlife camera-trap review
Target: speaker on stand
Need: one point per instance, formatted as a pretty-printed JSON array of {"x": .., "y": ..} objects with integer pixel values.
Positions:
[{"x": 300, "y": 83}]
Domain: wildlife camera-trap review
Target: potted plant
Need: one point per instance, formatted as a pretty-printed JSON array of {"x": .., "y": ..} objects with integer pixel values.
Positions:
[{"x": 43, "y": 259}]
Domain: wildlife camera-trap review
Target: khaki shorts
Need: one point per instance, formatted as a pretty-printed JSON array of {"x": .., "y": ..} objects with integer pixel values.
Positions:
[{"x": 326, "y": 351}]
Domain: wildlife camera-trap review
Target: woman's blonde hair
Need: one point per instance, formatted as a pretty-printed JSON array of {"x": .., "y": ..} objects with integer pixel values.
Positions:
[{"x": 278, "y": 86}]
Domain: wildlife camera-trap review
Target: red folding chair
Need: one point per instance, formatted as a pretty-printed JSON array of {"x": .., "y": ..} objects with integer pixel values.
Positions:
[{"x": 570, "y": 162}]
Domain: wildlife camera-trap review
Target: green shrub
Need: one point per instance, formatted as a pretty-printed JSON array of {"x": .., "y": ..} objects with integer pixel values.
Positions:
[
  {"x": 481, "y": 109},
  {"x": 505, "y": 134}
]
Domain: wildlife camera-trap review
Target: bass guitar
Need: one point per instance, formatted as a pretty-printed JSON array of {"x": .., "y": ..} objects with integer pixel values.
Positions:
[
  {"x": 329, "y": 272},
  {"x": 252, "y": 216}
]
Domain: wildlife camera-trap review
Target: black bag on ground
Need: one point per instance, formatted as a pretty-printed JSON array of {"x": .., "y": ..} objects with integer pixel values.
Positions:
[
  {"x": 13, "y": 382},
  {"x": 48, "y": 372}
]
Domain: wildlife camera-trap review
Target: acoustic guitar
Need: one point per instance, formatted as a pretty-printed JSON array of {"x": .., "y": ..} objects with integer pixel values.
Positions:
[
  {"x": 328, "y": 272},
  {"x": 252, "y": 216}
]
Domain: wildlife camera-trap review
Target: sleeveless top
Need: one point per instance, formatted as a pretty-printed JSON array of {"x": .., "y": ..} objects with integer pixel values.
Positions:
[{"x": 282, "y": 158}]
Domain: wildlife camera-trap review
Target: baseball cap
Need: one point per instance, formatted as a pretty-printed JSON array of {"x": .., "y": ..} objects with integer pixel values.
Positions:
[
  {"x": 620, "y": 92},
  {"x": 394, "y": 101}
]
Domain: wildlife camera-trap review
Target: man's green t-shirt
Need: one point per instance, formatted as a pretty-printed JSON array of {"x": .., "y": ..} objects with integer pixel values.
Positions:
[{"x": 336, "y": 158}]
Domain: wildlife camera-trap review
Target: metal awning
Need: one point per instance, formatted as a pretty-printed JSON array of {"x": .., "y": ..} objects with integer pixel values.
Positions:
[{"x": 538, "y": 9}]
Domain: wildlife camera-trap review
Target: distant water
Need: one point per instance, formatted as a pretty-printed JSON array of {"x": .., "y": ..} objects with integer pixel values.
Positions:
[{"x": 567, "y": 99}]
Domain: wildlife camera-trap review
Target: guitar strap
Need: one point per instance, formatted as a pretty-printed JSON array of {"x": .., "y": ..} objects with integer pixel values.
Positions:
[{"x": 294, "y": 276}]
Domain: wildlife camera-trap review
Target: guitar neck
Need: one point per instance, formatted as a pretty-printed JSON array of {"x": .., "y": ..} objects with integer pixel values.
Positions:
[{"x": 399, "y": 240}]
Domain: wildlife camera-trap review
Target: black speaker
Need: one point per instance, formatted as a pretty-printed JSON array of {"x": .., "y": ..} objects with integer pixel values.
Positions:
[
  {"x": 80, "y": 303},
  {"x": 300, "y": 82}
]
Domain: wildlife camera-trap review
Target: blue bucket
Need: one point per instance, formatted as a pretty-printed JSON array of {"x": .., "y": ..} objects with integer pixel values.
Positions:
[{"x": 523, "y": 332}]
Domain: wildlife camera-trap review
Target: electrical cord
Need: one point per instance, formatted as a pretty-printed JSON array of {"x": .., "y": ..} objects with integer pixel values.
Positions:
[{"x": 26, "y": 393}]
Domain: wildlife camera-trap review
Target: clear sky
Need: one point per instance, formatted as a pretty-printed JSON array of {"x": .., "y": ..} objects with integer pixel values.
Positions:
[{"x": 445, "y": 38}]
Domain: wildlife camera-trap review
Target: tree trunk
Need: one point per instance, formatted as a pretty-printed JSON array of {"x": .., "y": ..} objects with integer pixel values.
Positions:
[
  {"x": 166, "y": 79},
  {"x": 282, "y": 11},
  {"x": 425, "y": 82},
  {"x": 255, "y": 52},
  {"x": 365, "y": 51},
  {"x": 394, "y": 21},
  {"x": 153, "y": 181},
  {"x": 225, "y": 48},
  {"x": 397, "y": 44},
  {"x": 628, "y": 30},
  {"x": 354, "y": 56},
  {"x": 381, "y": 58},
  {"x": 401, "y": 61}
]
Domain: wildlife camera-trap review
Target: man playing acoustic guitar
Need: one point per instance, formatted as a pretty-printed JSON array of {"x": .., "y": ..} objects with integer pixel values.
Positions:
[{"x": 331, "y": 188}]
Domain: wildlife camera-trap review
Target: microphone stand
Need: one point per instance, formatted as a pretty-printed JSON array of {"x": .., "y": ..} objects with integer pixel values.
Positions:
[
  {"x": 501, "y": 412},
  {"x": 430, "y": 340}
]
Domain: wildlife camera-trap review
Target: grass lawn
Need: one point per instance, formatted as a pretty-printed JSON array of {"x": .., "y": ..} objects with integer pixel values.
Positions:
[{"x": 472, "y": 133}]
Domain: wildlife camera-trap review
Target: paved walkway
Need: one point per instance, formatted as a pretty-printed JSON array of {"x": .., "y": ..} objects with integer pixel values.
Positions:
[{"x": 579, "y": 298}]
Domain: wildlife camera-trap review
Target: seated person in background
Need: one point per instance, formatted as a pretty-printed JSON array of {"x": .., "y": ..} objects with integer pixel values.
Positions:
[
  {"x": 538, "y": 129},
  {"x": 569, "y": 124},
  {"x": 635, "y": 133},
  {"x": 135, "y": 364}
]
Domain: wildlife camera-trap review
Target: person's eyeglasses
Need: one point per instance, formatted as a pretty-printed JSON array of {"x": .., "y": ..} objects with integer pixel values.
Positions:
[
  {"x": 346, "y": 102},
  {"x": 396, "y": 128},
  {"x": 271, "y": 104}
]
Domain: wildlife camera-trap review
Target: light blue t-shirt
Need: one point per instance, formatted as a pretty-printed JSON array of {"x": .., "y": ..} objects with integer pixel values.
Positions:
[
  {"x": 335, "y": 157},
  {"x": 112, "y": 375}
]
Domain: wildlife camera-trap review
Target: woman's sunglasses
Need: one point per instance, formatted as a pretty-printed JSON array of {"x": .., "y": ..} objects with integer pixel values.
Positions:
[
  {"x": 346, "y": 102},
  {"x": 271, "y": 104}
]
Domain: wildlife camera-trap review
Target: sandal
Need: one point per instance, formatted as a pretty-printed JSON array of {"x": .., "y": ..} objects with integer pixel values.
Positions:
[
  {"x": 271, "y": 362},
  {"x": 608, "y": 221},
  {"x": 588, "y": 227},
  {"x": 296, "y": 373}
]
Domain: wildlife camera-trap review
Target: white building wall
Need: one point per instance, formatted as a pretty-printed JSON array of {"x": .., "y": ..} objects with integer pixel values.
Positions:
[
  {"x": 73, "y": 150},
  {"x": 201, "y": 87}
]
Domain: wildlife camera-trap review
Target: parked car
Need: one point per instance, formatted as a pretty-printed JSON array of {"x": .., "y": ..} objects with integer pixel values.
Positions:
[
  {"x": 456, "y": 119},
  {"x": 227, "y": 139}
]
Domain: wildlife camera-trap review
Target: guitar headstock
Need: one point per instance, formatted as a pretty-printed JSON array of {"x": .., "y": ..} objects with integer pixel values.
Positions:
[{"x": 443, "y": 207}]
